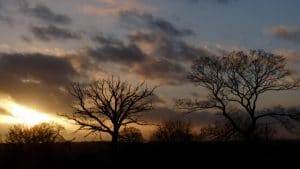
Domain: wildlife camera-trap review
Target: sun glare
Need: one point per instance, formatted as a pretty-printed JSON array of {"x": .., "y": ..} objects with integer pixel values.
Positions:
[{"x": 19, "y": 114}]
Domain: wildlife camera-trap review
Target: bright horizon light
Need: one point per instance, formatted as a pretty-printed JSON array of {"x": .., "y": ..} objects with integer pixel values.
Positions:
[{"x": 20, "y": 114}]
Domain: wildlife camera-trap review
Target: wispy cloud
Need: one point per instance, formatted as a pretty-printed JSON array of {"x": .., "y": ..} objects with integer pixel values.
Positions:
[
  {"x": 43, "y": 13},
  {"x": 53, "y": 32},
  {"x": 290, "y": 54},
  {"x": 113, "y": 7},
  {"x": 210, "y": 1},
  {"x": 286, "y": 32},
  {"x": 3, "y": 13},
  {"x": 161, "y": 70},
  {"x": 147, "y": 20},
  {"x": 168, "y": 47}
]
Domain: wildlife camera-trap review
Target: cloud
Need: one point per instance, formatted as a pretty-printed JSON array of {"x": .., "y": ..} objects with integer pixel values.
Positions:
[
  {"x": 107, "y": 40},
  {"x": 36, "y": 79},
  {"x": 45, "y": 68},
  {"x": 211, "y": 1},
  {"x": 115, "y": 51},
  {"x": 163, "y": 71},
  {"x": 291, "y": 55},
  {"x": 4, "y": 112},
  {"x": 44, "y": 13},
  {"x": 3, "y": 13},
  {"x": 53, "y": 32},
  {"x": 287, "y": 33},
  {"x": 146, "y": 20},
  {"x": 114, "y": 7},
  {"x": 164, "y": 113},
  {"x": 158, "y": 53},
  {"x": 5, "y": 19},
  {"x": 137, "y": 61},
  {"x": 166, "y": 46}
]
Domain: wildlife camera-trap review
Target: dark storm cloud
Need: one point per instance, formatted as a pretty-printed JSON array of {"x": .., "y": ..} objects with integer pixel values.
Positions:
[
  {"x": 44, "y": 13},
  {"x": 53, "y": 32},
  {"x": 156, "y": 24},
  {"x": 286, "y": 33},
  {"x": 36, "y": 78}
]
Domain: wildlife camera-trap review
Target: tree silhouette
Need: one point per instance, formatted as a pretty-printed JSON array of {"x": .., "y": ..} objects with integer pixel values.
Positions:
[
  {"x": 108, "y": 104},
  {"x": 237, "y": 80},
  {"x": 131, "y": 135},
  {"x": 173, "y": 131},
  {"x": 40, "y": 133},
  {"x": 222, "y": 130}
]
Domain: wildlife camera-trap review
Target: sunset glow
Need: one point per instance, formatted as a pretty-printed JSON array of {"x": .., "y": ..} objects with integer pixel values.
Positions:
[{"x": 19, "y": 114}]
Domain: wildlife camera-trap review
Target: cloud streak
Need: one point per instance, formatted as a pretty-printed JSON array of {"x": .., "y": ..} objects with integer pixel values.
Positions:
[
  {"x": 146, "y": 20},
  {"x": 287, "y": 33},
  {"x": 112, "y": 50},
  {"x": 291, "y": 55},
  {"x": 114, "y": 7},
  {"x": 44, "y": 13},
  {"x": 211, "y": 1},
  {"x": 52, "y": 32}
]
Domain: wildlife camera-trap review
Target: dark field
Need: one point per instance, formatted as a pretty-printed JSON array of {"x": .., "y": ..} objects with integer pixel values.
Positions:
[{"x": 192, "y": 155}]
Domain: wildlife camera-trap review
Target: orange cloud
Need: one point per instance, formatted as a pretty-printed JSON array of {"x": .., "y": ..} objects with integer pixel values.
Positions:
[
  {"x": 291, "y": 55},
  {"x": 286, "y": 32}
]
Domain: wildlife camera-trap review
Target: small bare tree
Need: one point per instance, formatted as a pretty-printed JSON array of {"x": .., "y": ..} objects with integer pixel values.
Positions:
[
  {"x": 238, "y": 80},
  {"x": 108, "y": 104}
]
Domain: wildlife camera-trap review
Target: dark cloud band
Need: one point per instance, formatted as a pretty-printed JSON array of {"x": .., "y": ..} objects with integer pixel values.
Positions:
[{"x": 53, "y": 32}]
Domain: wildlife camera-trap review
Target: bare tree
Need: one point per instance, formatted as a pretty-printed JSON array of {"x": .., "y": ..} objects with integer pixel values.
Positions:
[
  {"x": 108, "y": 104},
  {"x": 173, "y": 131},
  {"x": 237, "y": 80},
  {"x": 40, "y": 133}
]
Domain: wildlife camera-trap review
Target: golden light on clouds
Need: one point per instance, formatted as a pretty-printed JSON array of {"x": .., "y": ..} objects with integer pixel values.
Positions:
[{"x": 19, "y": 114}]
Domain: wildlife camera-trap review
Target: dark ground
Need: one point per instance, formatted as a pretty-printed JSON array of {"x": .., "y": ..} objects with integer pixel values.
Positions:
[{"x": 151, "y": 155}]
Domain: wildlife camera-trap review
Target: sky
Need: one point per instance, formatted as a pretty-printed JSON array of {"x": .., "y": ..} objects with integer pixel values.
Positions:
[{"x": 46, "y": 45}]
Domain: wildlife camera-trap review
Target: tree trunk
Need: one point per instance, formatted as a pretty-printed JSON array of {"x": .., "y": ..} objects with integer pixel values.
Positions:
[{"x": 114, "y": 140}]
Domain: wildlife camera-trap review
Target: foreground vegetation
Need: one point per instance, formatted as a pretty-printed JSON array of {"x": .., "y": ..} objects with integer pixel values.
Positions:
[{"x": 276, "y": 154}]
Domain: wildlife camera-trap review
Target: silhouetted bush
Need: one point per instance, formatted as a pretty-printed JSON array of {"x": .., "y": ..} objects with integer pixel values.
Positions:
[
  {"x": 131, "y": 135},
  {"x": 175, "y": 131},
  {"x": 40, "y": 133},
  {"x": 222, "y": 130}
]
